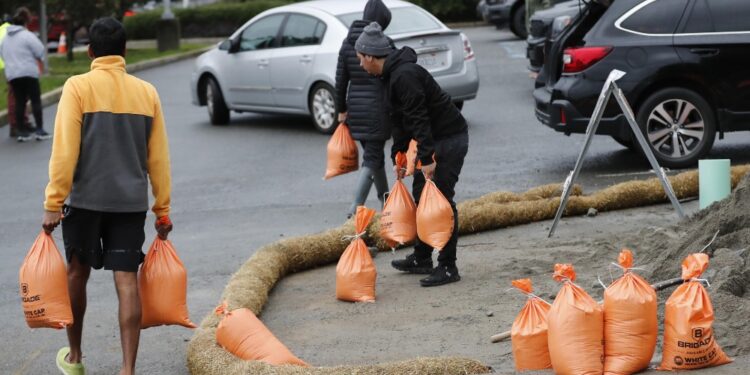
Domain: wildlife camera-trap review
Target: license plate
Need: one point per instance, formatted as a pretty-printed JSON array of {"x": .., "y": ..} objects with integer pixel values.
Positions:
[{"x": 433, "y": 60}]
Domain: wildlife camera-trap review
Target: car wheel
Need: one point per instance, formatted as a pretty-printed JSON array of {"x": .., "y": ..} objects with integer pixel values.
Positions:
[
  {"x": 629, "y": 144},
  {"x": 459, "y": 104},
  {"x": 518, "y": 23},
  {"x": 323, "y": 108},
  {"x": 217, "y": 108},
  {"x": 679, "y": 126}
]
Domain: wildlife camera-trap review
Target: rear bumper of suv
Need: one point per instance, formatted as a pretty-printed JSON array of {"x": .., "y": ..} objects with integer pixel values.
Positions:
[{"x": 561, "y": 114}]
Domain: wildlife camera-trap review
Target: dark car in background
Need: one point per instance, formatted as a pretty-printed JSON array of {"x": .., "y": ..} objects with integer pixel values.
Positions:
[
  {"x": 505, "y": 12},
  {"x": 545, "y": 25},
  {"x": 687, "y": 65}
]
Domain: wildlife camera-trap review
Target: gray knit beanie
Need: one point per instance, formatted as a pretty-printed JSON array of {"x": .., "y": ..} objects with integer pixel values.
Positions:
[{"x": 373, "y": 42}]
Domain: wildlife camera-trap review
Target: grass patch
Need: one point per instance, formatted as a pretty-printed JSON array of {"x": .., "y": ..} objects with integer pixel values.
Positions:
[{"x": 60, "y": 69}]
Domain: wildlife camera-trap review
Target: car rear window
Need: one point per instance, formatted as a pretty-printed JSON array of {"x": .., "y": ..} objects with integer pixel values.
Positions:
[
  {"x": 656, "y": 17},
  {"x": 403, "y": 20},
  {"x": 719, "y": 16}
]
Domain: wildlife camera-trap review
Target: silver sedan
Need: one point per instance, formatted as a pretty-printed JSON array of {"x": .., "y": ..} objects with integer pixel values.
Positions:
[{"x": 284, "y": 59}]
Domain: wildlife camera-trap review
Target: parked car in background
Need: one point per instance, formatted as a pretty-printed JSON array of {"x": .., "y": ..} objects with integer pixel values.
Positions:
[
  {"x": 687, "y": 65},
  {"x": 284, "y": 60},
  {"x": 507, "y": 12},
  {"x": 504, "y": 12},
  {"x": 55, "y": 28},
  {"x": 545, "y": 25}
]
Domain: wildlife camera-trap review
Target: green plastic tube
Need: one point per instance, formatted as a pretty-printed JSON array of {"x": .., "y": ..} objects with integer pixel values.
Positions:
[{"x": 714, "y": 181}]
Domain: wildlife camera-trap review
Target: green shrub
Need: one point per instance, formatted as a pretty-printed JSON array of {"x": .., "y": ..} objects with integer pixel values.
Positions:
[
  {"x": 221, "y": 19},
  {"x": 450, "y": 10},
  {"x": 215, "y": 20}
]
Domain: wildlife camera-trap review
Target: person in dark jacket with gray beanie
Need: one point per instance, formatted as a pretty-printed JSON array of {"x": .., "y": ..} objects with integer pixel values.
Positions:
[
  {"x": 421, "y": 110},
  {"x": 359, "y": 102}
]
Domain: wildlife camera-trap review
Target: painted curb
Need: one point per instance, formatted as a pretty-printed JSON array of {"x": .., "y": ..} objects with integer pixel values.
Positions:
[{"x": 53, "y": 96}]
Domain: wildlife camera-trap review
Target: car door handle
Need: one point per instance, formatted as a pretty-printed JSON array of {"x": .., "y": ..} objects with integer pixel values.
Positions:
[
  {"x": 262, "y": 63},
  {"x": 708, "y": 52},
  {"x": 305, "y": 59}
]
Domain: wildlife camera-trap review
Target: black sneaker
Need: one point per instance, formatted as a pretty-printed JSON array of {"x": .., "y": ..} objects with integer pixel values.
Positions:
[
  {"x": 23, "y": 136},
  {"x": 442, "y": 274},
  {"x": 413, "y": 265},
  {"x": 41, "y": 135}
]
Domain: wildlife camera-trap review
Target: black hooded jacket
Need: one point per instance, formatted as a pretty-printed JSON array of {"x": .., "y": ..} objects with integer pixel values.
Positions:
[
  {"x": 357, "y": 92},
  {"x": 419, "y": 108}
]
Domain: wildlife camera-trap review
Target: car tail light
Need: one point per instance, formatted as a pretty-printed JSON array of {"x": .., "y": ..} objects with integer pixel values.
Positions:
[
  {"x": 468, "y": 51},
  {"x": 579, "y": 59},
  {"x": 563, "y": 119}
]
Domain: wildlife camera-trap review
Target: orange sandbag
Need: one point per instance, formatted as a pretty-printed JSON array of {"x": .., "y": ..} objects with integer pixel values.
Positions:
[
  {"x": 162, "y": 283},
  {"x": 355, "y": 272},
  {"x": 343, "y": 155},
  {"x": 43, "y": 278},
  {"x": 576, "y": 328},
  {"x": 529, "y": 332},
  {"x": 398, "y": 221},
  {"x": 434, "y": 217},
  {"x": 411, "y": 158},
  {"x": 630, "y": 325},
  {"x": 689, "y": 341},
  {"x": 241, "y": 333}
]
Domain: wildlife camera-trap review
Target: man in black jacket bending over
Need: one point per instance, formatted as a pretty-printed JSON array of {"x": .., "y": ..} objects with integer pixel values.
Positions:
[{"x": 420, "y": 109}]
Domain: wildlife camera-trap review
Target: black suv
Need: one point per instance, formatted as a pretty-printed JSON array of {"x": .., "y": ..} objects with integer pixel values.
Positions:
[{"x": 687, "y": 65}]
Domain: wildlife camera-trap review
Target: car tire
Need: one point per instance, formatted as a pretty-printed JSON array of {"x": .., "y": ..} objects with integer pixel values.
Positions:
[
  {"x": 218, "y": 112},
  {"x": 518, "y": 23},
  {"x": 629, "y": 144},
  {"x": 459, "y": 104},
  {"x": 679, "y": 126},
  {"x": 323, "y": 108}
]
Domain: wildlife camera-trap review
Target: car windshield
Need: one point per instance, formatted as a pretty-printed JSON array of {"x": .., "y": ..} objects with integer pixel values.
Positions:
[{"x": 404, "y": 20}]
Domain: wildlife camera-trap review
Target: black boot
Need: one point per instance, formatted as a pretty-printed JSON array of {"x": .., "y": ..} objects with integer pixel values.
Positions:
[
  {"x": 442, "y": 274},
  {"x": 413, "y": 265}
]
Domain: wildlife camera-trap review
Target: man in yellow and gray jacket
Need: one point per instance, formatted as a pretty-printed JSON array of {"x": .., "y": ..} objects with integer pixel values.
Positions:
[{"x": 109, "y": 142}]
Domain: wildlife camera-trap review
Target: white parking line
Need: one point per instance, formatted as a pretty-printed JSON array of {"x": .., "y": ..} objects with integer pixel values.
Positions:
[{"x": 515, "y": 49}]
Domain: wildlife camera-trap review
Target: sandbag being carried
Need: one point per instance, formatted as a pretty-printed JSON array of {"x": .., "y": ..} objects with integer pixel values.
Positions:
[
  {"x": 434, "y": 217},
  {"x": 398, "y": 221},
  {"x": 43, "y": 280},
  {"x": 689, "y": 341},
  {"x": 529, "y": 332},
  {"x": 343, "y": 155},
  {"x": 355, "y": 273},
  {"x": 630, "y": 325},
  {"x": 576, "y": 328},
  {"x": 241, "y": 333},
  {"x": 162, "y": 283}
]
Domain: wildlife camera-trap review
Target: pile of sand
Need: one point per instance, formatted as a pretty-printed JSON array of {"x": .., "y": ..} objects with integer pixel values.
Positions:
[{"x": 660, "y": 251}]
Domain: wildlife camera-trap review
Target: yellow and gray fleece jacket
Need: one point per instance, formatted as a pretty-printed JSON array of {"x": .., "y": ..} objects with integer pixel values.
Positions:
[{"x": 109, "y": 140}]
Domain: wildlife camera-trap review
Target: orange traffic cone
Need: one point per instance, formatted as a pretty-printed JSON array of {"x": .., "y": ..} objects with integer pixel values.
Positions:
[{"x": 62, "y": 46}]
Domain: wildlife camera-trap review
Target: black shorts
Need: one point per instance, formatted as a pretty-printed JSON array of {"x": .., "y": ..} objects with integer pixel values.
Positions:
[{"x": 113, "y": 240}]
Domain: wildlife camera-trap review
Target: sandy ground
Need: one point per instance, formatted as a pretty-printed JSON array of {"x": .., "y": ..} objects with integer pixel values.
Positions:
[{"x": 458, "y": 319}]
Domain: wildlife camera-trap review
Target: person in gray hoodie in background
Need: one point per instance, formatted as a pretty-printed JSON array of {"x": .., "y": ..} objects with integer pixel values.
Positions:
[
  {"x": 23, "y": 52},
  {"x": 359, "y": 100}
]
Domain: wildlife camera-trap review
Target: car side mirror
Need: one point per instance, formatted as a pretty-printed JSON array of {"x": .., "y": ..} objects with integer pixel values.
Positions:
[
  {"x": 225, "y": 45},
  {"x": 234, "y": 45}
]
